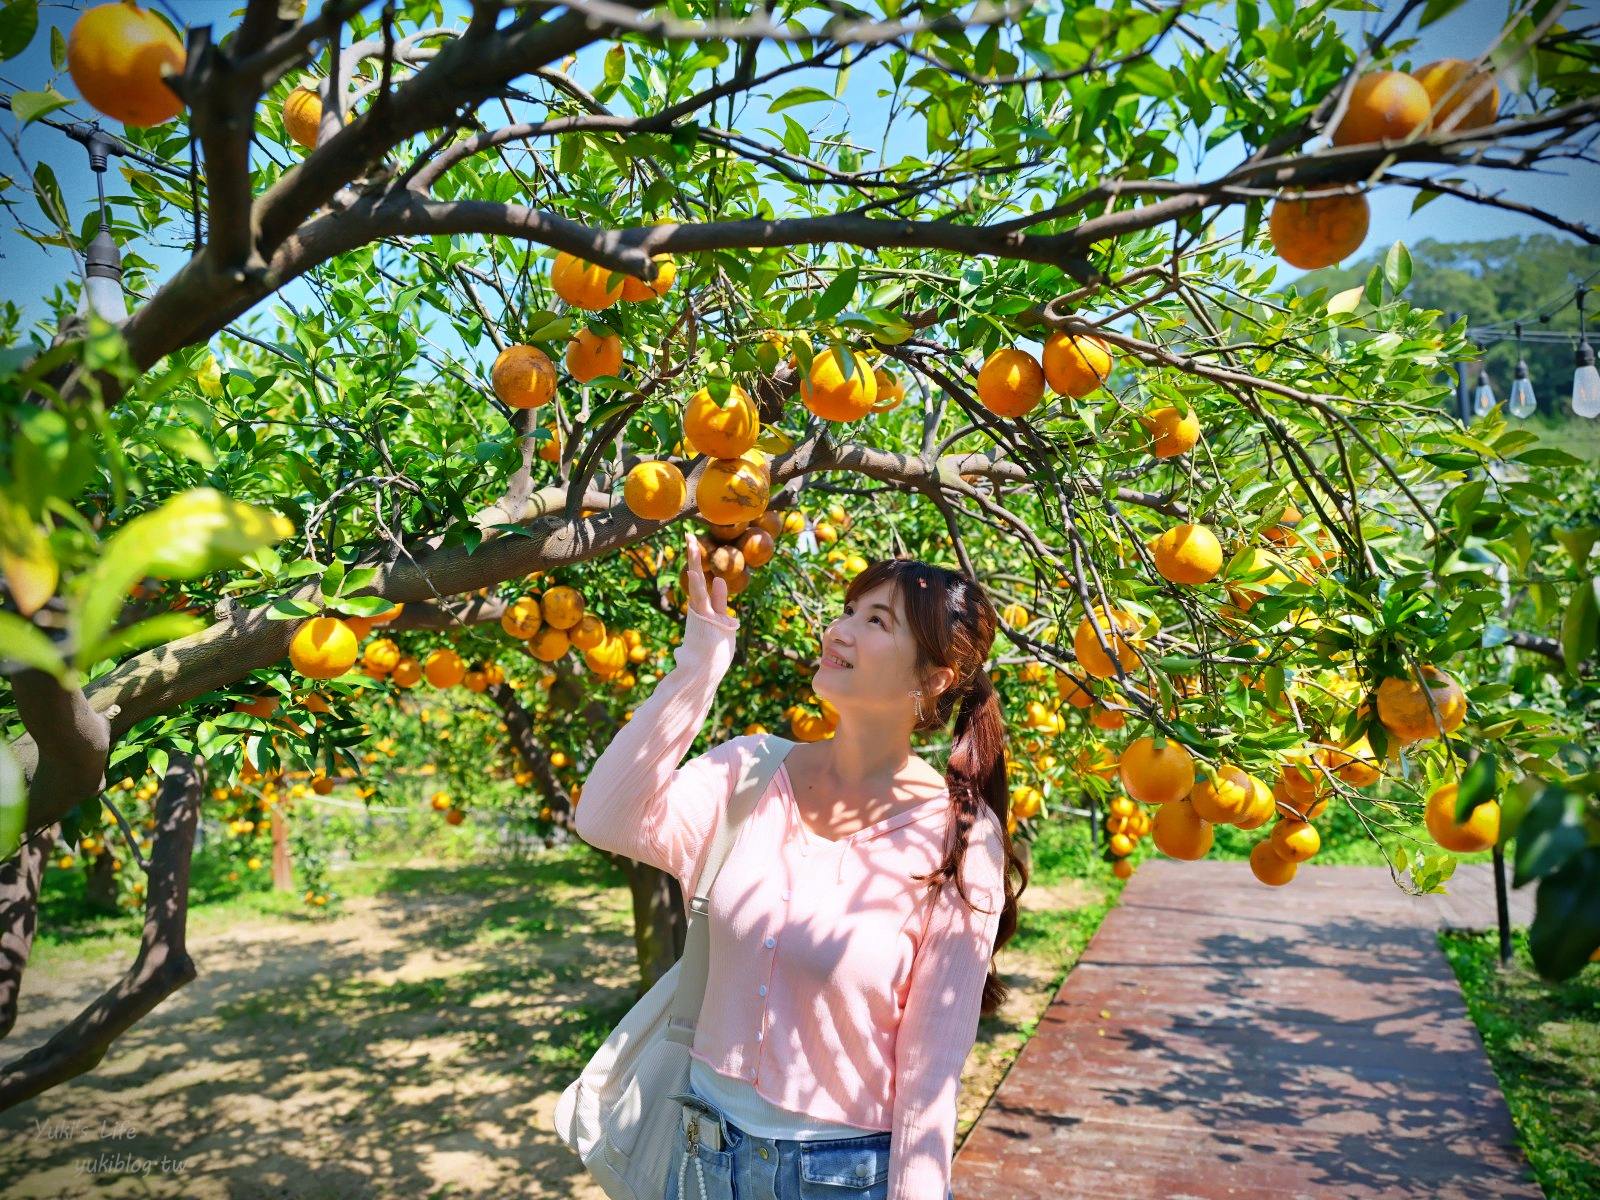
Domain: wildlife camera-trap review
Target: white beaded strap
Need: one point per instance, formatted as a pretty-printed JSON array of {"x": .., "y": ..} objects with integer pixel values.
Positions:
[{"x": 699, "y": 1167}]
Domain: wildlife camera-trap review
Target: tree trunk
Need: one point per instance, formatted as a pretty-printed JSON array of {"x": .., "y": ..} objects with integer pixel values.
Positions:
[
  {"x": 660, "y": 924},
  {"x": 101, "y": 889}
]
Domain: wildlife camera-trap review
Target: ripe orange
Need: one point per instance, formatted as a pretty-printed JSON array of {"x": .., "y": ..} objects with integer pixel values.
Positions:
[
  {"x": 381, "y": 655},
  {"x": 588, "y": 633},
  {"x": 444, "y": 668},
  {"x": 1155, "y": 776},
  {"x": 1115, "y": 629},
  {"x": 316, "y": 702},
  {"x": 655, "y": 491},
  {"x": 1403, "y": 705},
  {"x": 322, "y": 785},
  {"x": 1268, "y": 866},
  {"x": 1450, "y": 84},
  {"x": 522, "y": 618},
  {"x": 1295, "y": 841},
  {"x": 302, "y": 115},
  {"x": 1478, "y": 832},
  {"x": 1261, "y": 808},
  {"x": 563, "y": 607},
  {"x": 1188, "y": 554},
  {"x": 323, "y": 648},
  {"x": 582, "y": 284},
  {"x": 1292, "y": 808},
  {"x": 1108, "y": 718},
  {"x": 1076, "y": 365},
  {"x": 475, "y": 681},
  {"x": 1226, "y": 799},
  {"x": 1172, "y": 432},
  {"x": 721, "y": 428},
  {"x": 261, "y": 706},
  {"x": 608, "y": 658},
  {"x": 733, "y": 489},
  {"x": 524, "y": 377},
  {"x": 1384, "y": 106},
  {"x": 115, "y": 55},
  {"x": 591, "y": 355},
  {"x": 1244, "y": 596},
  {"x": 1355, "y": 764},
  {"x": 550, "y": 447},
  {"x": 549, "y": 643},
  {"x": 1283, "y": 530},
  {"x": 388, "y": 615},
  {"x": 1180, "y": 832},
  {"x": 1122, "y": 868},
  {"x": 827, "y": 392},
  {"x": 637, "y": 290},
  {"x": 455, "y": 816},
  {"x": 891, "y": 391},
  {"x": 1121, "y": 845},
  {"x": 1074, "y": 689},
  {"x": 407, "y": 671},
  {"x": 1011, "y": 382},
  {"x": 1317, "y": 232},
  {"x": 757, "y": 547}
]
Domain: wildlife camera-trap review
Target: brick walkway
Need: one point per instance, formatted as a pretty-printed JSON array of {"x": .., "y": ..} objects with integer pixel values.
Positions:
[{"x": 1224, "y": 1039}]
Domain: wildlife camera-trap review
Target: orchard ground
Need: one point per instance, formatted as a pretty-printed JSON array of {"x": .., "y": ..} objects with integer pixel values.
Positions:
[{"x": 415, "y": 1034}]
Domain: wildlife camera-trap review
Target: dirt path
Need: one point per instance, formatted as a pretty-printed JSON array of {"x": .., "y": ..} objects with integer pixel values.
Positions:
[{"x": 413, "y": 1044}]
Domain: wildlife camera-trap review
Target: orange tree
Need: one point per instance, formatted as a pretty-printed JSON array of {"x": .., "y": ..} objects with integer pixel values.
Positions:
[{"x": 436, "y": 324}]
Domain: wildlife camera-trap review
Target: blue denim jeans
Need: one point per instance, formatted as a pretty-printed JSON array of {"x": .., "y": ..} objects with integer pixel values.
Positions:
[{"x": 751, "y": 1167}]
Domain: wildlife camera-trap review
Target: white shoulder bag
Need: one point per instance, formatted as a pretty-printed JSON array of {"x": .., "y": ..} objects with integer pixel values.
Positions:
[{"x": 619, "y": 1116}]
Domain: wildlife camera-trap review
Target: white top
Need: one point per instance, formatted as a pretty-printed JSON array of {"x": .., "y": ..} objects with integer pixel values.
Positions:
[{"x": 754, "y": 1113}]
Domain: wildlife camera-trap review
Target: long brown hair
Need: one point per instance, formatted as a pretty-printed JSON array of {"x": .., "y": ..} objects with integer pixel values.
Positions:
[{"x": 953, "y": 624}]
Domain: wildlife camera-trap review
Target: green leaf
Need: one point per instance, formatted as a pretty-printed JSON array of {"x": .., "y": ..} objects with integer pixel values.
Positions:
[
  {"x": 364, "y": 606},
  {"x": 837, "y": 294},
  {"x": 1375, "y": 287},
  {"x": 616, "y": 63},
  {"x": 797, "y": 96},
  {"x": 332, "y": 580},
  {"x": 1551, "y": 832},
  {"x": 1566, "y": 917},
  {"x": 1580, "y": 627},
  {"x": 154, "y": 631},
  {"x": 13, "y": 803},
  {"x": 21, "y": 641},
  {"x": 30, "y": 106},
  {"x": 19, "y": 21},
  {"x": 1578, "y": 542},
  {"x": 1397, "y": 266},
  {"x": 286, "y": 608},
  {"x": 1477, "y": 786},
  {"x": 1433, "y": 10}
]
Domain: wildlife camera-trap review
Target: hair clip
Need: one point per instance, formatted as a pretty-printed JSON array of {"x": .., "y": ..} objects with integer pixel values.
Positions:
[{"x": 922, "y": 583}]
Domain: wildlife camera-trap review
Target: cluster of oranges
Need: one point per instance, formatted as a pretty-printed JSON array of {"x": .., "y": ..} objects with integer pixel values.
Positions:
[
  {"x": 557, "y": 621},
  {"x": 326, "y": 647},
  {"x": 808, "y": 726},
  {"x": 440, "y": 802},
  {"x": 1011, "y": 381}
]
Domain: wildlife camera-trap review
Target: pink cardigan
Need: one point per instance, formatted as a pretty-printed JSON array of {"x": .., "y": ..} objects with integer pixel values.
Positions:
[{"x": 836, "y": 987}]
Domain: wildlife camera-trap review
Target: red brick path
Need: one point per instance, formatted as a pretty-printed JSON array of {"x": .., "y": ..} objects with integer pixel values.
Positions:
[{"x": 1224, "y": 1039}]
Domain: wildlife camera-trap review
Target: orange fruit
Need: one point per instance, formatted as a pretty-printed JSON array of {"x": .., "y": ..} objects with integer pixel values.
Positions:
[
  {"x": 522, "y": 618},
  {"x": 1180, "y": 832},
  {"x": 1086, "y": 645},
  {"x": 1172, "y": 433},
  {"x": 1268, "y": 866},
  {"x": 1074, "y": 364},
  {"x": 637, "y": 290},
  {"x": 1450, "y": 84},
  {"x": 1403, "y": 705},
  {"x": 549, "y": 643},
  {"x": 1188, "y": 554},
  {"x": 1226, "y": 799},
  {"x": 475, "y": 681},
  {"x": 1384, "y": 106},
  {"x": 1293, "y": 809},
  {"x": 582, "y": 284},
  {"x": 891, "y": 391},
  {"x": 455, "y": 816},
  {"x": 381, "y": 655},
  {"x": 1261, "y": 808},
  {"x": 1074, "y": 689},
  {"x": 1478, "y": 832},
  {"x": 1155, "y": 776},
  {"x": 321, "y": 785},
  {"x": 261, "y": 706},
  {"x": 302, "y": 116},
  {"x": 1317, "y": 232},
  {"x": 387, "y": 615},
  {"x": 757, "y": 547},
  {"x": 523, "y": 377},
  {"x": 1245, "y": 596},
  {"x": 444, "y": 668},
  {"x": 116, "y": 54},
  {"x": 1295, "y": 841},
  {"x": 1283, "y": 530},
  {"x": 608, "y": 658},
  {"x": 829, "y": 394},
  {"x": 316, "y": 702},
  {"x": 588, "y": 633},
  {"x": 323, "y": 648},
  {"x": 721, "y": 428},
  {"x": 407, "y": 671},
  {"x": 1355, "y": 764},
  {"x": 1108, "y": 718},
  {"x": 1010, "y": 382},
  {"x": 591, "y": 355},
  {"x": 562, "y": 607},
  {"x": 1121, "y": 845},
  {"x": 550, "y": 447},
  {"x": 1122, "y": 868},
  {"x": 732, "y": 490},
  {"x": 654, "y": 491}
]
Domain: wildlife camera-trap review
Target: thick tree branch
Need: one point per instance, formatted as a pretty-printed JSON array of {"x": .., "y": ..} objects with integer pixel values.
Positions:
[{"x": 19, "y": 917}]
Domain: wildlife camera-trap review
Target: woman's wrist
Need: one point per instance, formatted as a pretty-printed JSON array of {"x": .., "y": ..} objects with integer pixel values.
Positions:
[{"x": 708, "y": 636}]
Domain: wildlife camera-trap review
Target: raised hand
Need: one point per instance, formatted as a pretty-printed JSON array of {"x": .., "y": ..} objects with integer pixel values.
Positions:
[{"x": 714, "y": 605}]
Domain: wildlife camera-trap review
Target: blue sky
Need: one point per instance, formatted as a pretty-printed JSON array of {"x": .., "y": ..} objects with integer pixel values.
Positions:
[{"x": 29, "y": 270}]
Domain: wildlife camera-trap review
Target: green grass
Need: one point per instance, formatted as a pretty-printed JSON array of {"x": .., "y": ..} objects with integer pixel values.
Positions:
[{"x": 1544, "y": 1043}]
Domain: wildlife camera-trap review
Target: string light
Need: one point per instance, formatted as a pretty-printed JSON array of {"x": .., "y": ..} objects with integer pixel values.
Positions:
[
  {"x": 1585, "y": 379},
  {"x": 1483, "y": 400},
  {"x": 1522, "y": 403},
  {"x": 102, "y": 274}
]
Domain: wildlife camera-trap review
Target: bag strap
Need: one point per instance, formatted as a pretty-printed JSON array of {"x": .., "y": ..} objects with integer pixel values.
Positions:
[{"x": 756, "y": 773}]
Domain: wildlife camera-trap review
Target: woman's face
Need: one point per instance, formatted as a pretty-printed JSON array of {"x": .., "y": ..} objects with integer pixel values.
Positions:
[{"x": 876, "y": 653}]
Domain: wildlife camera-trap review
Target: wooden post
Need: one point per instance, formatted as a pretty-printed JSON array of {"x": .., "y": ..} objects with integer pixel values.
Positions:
[
  {"x": 282, "y": 865},
  {"x": 1502, "y": 906}
]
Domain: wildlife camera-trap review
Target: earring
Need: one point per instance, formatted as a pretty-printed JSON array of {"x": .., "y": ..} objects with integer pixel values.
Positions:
[{"x": 918, "y": 695}]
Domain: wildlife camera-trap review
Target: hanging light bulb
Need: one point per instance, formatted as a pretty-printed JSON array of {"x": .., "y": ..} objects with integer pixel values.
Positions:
[
  {"x": 1483, "y": 399},
  {"x": 102, "y": 276},
  {"x": 1585, "y": 379},
  {"x": 1522, "y": 403}
]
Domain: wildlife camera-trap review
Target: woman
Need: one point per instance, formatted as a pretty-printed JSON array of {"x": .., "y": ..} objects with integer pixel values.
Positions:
[{"x": 854, "y": 920}]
